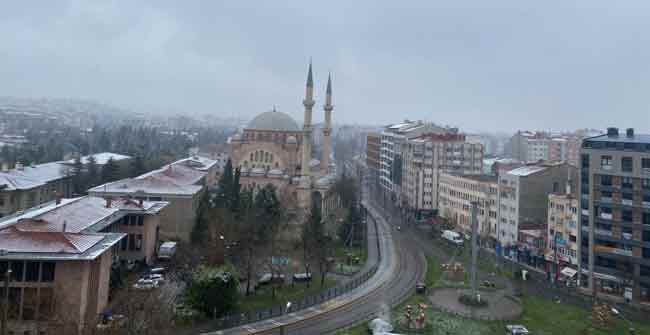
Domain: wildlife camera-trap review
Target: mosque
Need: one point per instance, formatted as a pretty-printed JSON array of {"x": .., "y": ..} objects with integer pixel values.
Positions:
[{"x": 273, "y": 149}]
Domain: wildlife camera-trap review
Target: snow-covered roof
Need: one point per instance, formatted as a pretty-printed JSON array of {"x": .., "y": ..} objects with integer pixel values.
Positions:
[
  {"x": 182, "y": 177},
  {"x": 526, "y": 170},
  {"x": 28, "y": 177},
  {"x": 101, "y": 158},
  {"x": 69, "y": 228}
]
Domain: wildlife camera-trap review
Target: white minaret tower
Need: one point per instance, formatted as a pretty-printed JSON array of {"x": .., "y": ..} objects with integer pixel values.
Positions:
[
  {"x": 306, "y": 137},
  {"x": 327, "y": 129}
]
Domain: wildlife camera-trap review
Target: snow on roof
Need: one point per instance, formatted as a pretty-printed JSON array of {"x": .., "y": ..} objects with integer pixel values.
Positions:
[
  {"x": 28, "y": 177},
  {"x": 526, "y": 170},
  {"x": 70, "y": 227},
  {"x": 101, "y": 158}
]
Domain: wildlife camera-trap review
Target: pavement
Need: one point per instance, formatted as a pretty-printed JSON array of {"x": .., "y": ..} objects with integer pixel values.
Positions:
[{"x": 401, "y": 265}]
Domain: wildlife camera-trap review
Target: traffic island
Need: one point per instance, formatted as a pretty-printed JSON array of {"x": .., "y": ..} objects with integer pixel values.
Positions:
[{"x": 492, "y": 305}]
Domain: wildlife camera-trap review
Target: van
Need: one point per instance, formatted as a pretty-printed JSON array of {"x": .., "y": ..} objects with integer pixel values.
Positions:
[{"x": 452, "y": 237}]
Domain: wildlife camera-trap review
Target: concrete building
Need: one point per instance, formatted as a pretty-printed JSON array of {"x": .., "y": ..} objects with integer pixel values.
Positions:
[
  {"x": 61, "y": 254},
  {"x": 390, "y": 155},
  {"x": 528, "y": 146},
  {"x": 523, "y": 198},
  {"x": 562, "y": 248},
  {"x": 180, "y": 183},
  {"x": 28, "y": 186},
  {"x": 456, "y": 194},
  {"x": 615, "y": 214},
  {"x": 373, "y": 149},
  {"x": 425, "y": 157}
]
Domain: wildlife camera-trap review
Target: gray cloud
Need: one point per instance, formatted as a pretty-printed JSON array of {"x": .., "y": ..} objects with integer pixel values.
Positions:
[{"x": 497, "y": 65}]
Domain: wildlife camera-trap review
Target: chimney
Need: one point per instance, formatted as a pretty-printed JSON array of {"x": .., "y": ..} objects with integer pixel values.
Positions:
[
  {"x": 19, "y": 166},
  {"x": 109, "y": 201},
  {"x": 140, "y": 201},
  {"x": 58, "y": 198},
  {"x": 65, "y": 225},
  {"x": 612, "y": 132},
  {"x": 630, "y": 132}
]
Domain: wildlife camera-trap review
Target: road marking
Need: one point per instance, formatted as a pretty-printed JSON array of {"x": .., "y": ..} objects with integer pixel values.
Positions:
[
  {"x": 249, "y": 329},
  {"x": 276, "y": 323}
]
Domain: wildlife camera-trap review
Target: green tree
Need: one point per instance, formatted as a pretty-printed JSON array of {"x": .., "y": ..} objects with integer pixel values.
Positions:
[
  {"x": 199, "y": 233},
  {"x": 213, "y": 290},
  {"x": 92, "y": 172},
  {"x": 110, "y": 171},
  {"x": 78, "y": 177},
  {"x": 269, "y": 216},
  {"x": 310, "y": 230},
  {"x": 347, "y": 190},
  {"x": 137, "y": 166}
]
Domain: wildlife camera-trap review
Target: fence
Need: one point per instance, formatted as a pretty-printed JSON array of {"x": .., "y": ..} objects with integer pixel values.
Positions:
[{"x": 239, "y": 319}]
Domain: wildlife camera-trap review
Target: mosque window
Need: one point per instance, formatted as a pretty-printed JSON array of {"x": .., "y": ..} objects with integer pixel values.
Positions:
[
  {"x": 271, "y": 158},
  {"x": 257, "y": 156},
  {"x": 251, "y": 156},
  {"x": 277, "y": 165}
]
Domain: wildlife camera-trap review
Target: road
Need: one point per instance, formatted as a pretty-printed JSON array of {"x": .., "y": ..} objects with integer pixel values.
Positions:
[{"x": 402, "y": 264}]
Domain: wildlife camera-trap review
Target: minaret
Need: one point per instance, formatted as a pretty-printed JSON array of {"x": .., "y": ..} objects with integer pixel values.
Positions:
[
  {"x": 327, "y": 128},
  {"x": 306, "y": 137}
]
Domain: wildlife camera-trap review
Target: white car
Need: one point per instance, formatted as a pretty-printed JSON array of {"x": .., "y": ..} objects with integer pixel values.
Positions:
[{"x": 145, "y": 284}]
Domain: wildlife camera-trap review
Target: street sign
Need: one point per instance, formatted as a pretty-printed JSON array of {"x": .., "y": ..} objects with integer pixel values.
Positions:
[{"x": 279, "y": 260}]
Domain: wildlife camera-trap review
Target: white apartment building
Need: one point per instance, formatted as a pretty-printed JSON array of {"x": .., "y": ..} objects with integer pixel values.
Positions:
[
  {"x": 392, "y": 138},
  {"x": 562, "y": 230},
  {"x": 424, "y": 158},
  {"x": 456, "y": 194}
]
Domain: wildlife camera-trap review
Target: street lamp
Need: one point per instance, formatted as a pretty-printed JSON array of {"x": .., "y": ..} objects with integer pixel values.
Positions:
[{"x": 631, "y": 329}]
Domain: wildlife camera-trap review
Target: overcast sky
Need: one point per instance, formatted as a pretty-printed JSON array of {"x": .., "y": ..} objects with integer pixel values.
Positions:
[{"x": 492, "y": 65}]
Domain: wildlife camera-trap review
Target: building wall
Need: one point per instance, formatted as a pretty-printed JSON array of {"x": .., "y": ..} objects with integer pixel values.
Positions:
[
  {"x": 18, "y": 200},
  {"x": 563, "y": 227},
  {"x": 607, "y": 251},
  {"x": 286, "y": 157}
]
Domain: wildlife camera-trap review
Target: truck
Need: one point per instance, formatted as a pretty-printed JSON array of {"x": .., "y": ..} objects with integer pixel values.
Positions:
[
  {"x": 452, "y": 237},
  {"x": 167, "y": 250}
]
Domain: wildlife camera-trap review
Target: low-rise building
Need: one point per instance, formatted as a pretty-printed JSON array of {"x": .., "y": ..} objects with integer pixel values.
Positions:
[
  {"x": 562, "y": 248},
  {"x": 61, "y": 254},
  {"x": 180, "y": 183},
  {"x": 456, "y": 194}
]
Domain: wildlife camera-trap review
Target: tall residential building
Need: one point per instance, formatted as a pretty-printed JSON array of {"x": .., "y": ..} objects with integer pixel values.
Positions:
[
  {"x": 456, "y": 194},
  {"x": 615, "y": 214},
  {"x": 528, "y": 146},
  {"x": 523, "y": 197},
  {"x": 562, "y": 232},
  {"x": 392, "y": 138},
  {"x": 373, "y": 148},
  {"x": 425, "y": 157},
  {"x": 61, "y": 255}
]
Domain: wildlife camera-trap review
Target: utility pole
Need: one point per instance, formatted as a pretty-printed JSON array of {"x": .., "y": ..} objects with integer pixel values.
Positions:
[
  {"x": 474, "y": 247},
  {"x": 5, "y": 305}
]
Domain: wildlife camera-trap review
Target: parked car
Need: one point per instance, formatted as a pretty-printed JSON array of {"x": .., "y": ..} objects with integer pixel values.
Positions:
[
  {"x": 145, "y": 284},
  {"x": 301, "y": 277},
  {"x": 516, "y": 330},
  {"x": 452, "y": 236},
  {"x": 267, "y": 278},
  {"x": 167, "y": 250}
]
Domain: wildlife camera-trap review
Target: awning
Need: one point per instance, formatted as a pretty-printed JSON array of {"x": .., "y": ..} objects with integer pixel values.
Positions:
[{"x": 569, "y": 272}]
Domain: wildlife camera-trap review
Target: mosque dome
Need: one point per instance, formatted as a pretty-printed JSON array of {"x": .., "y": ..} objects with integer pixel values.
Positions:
[{"x": 273, "y": 121}]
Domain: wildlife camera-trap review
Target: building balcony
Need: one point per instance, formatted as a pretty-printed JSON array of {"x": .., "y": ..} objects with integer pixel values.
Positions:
[
  {"x": 627, "y": 202},
  {"x": 606, "y": 199},
  {"x": 603, "y": 232},
  {"x": 606, "y": 216},
  {"x": 645, "y": 204},
  {"x": 585, "y": 212},
  {"x": 612, "y": 250}
]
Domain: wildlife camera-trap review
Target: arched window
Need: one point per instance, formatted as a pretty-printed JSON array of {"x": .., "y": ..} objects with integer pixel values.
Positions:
[
  {"x": 257, "y": 156},
  {"x": 245, "y": 164},
  {"x": 251, "y": 156},
  {"x": 271, "y": 158},
  {"x": 277, "y": 165},
  {"x": 266, "y": 157}
]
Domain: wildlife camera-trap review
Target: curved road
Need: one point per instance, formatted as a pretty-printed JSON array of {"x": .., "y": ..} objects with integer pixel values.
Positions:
[{"x": 402, "y": 264}]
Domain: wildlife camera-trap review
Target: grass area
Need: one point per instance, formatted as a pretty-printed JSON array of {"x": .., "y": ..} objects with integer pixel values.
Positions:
[
  {"x": 541, "y": 316},
  {"x": 263, "y": 297}
]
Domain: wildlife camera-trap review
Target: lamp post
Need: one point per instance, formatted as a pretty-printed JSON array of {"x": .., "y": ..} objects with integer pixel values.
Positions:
[{"x": 5, "y": 307}]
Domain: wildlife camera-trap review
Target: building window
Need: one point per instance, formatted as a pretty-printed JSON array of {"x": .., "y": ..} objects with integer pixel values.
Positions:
[
  {"x": 626, "y": 216},
  {"x": 31, "y": 271},
  {"x": 606, "y": 180},
  {"x": 645, "y": 183},
  {"x": 138, "y": 242},
  {"x": 131, "y": 242},
  {"x": 606, "y": 162},
  {"x": 47, "y": 271},
  {"x": 626, "y": 182},
  {"x": 124, "y": 244},
  {"x": 584, "y": 159},
  {"x": 627, "y": 164},
  {"x": 645, "y": 163}
]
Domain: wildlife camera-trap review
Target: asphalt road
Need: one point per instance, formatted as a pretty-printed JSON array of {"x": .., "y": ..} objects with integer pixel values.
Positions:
[{"x": 402, "y": 264}]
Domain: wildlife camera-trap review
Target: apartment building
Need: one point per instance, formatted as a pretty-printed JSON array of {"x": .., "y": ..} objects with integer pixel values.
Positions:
[
  {"x": 180, "y": 183},
  {"x": 390, "y": 154},
  {"x": 523, "y": 197},
  {"x": 425, "y": 157},
  {"x": 528, "y": 146},
  {"x": 456, "y": 194},
  {"x": 562, "y": 247},
  {"x": 615, "y": 214},
  {"x": 60, "y": 255},
  {"x": 373, "y": 149}
]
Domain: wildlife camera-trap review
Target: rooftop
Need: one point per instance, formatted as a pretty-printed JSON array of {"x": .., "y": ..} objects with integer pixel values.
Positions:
[
  {"x": 526, "y": 170},
  {"x": 101, "y": 158},
  {"x": 27, "y": 177},
  {"x": 273, "y": 120},
  {"x": 70, "y": 228}
]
